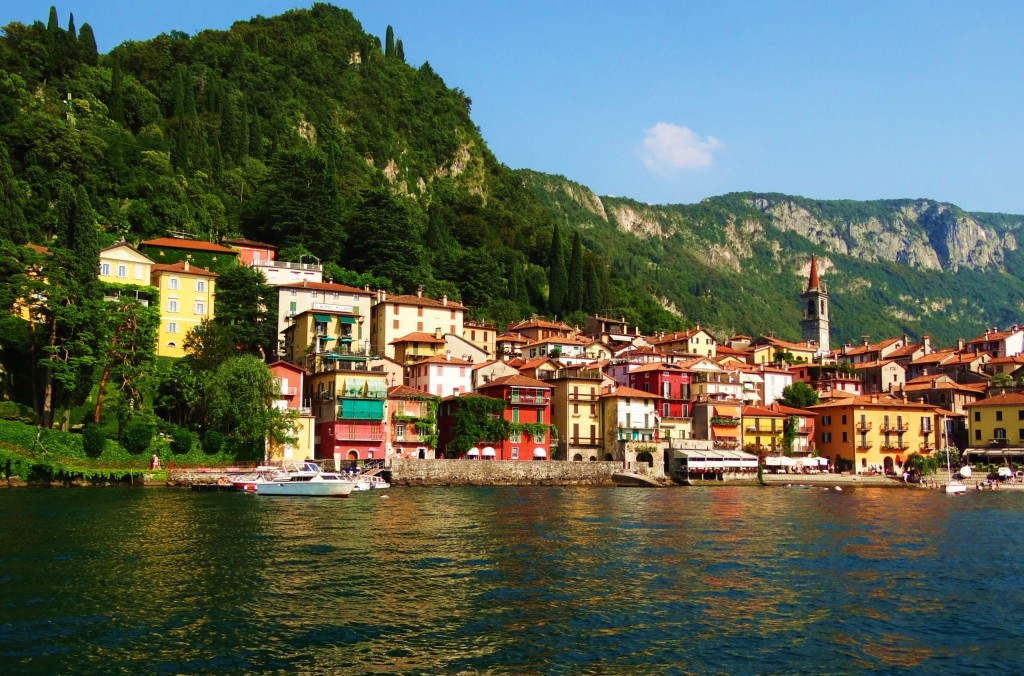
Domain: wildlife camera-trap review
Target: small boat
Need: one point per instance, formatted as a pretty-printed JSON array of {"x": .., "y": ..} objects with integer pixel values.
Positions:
[
  {"x": 307, "y": 481},
  {"x": 954, "y": 486},
  {"x": 246, "y": 482},
  {"x": 371, "y": 482}
]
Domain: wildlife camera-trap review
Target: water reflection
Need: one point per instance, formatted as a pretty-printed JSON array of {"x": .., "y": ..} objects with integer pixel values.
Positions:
[{"x": 521, "y": 580}]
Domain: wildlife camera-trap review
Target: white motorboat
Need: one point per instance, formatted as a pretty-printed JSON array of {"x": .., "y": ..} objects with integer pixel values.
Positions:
[
  {"x": 954, "y": 486},
  {"x": 307, "y": 481},
  {"x": 371, "y": 482}
]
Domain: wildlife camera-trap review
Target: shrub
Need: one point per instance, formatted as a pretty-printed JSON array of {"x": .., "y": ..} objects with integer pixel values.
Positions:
[
  {"x": 213, "y": 441},
  {"x": 12, "y": 410},
  {"x": 182, "y": 440},
  {"x": 138, "y": 434},
  {"x": 94, "y": 440}
]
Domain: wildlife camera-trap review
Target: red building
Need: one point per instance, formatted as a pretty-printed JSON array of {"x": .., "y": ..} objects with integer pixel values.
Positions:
[
  {"x": 670, "y": 381},
  {"x": 527, "y": 405}
]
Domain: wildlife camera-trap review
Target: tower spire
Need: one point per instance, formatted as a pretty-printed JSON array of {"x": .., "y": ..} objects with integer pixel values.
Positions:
[{"x": 812, "y": 280}]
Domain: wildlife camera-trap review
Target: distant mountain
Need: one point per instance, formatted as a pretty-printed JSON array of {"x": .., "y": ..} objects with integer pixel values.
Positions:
[
  {"x": 306, "y": 132},
  {"x": 737, "y": 262}
]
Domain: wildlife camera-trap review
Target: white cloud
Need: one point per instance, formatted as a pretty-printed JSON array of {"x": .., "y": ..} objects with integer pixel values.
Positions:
[{"x": 668, "y": 148}]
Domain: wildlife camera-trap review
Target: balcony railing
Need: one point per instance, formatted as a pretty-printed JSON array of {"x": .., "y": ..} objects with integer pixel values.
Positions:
[
  {"x": 927, "y": 429},
  {"x": 898, "y": 427},
  {"x": 289, "y": 391},
  {"x": 286, "y": 265},
  {"x": 864, "y": 426},
  {"x": 586, "y": 398},
  {"x": 865, "y": 445},
  {"x": 539, "y": 399},
  {"x": 584, "y": 441}
]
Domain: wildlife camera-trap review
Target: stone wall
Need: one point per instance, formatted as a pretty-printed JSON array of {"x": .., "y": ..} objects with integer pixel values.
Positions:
[{"x": 413, "y": 472}]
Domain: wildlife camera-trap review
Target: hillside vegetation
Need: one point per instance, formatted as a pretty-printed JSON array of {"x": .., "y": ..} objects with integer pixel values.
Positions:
[{"x": 306, "y": 132}]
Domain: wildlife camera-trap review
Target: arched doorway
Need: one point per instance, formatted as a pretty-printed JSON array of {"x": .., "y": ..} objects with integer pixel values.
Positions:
[
  {"x": 608, "y": 457},
  {"x": 353, "y": 454},
  {"x": 888, "y": 465},
  {"x": 645, "y": 457},
  {"x": 577, "y": 458}
]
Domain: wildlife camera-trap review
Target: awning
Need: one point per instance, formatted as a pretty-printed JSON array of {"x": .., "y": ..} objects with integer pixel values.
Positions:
[
  {"x": 322, "y": 319},
  {"x": 346, "y": 320},
  {"x": 725, "y": 431},
  {"x": 899, "y": 458},
  {"x": 727, "y": 411},
  {"x": 540, "y": 453},
  {"x": 489, "y": 452},
  {"x": 473, "y": 452}
]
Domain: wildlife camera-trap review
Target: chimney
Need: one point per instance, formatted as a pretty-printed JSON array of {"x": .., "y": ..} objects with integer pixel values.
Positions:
[
  {"x": 447, "y": 355},
  {"x": 186, "y": 266},
  {"x": 366, "y": 288},
  {"x": 959, "y": 344},
  {"x": 864, "y": 340},
  {"x": 444, "y": 300},
  {"x": 926, "y": 343},
  {"x": 419, "y": 292},
  {"x": 437, "y": 333},
  {"x": 874, "y": 398}
]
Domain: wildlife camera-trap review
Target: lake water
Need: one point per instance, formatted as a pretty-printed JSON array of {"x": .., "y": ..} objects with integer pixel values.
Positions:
[{"x": 512, "y": 580}]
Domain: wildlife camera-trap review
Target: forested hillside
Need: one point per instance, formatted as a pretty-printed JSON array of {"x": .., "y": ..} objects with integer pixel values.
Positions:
[
  {"x": 300, "y": 130},
  {"x": 307, "y": 132}
]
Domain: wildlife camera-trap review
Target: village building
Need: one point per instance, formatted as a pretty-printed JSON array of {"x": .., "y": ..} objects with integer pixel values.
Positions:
[
  {"x": 440, "y": 375},
  {"x": 410, "y": 422},
  {"x": 290, "y": 395},
  {"x": 328, "y": 300},
  {"x": 509, "y": 346},
  {"x": 396, "y": 316},
  {"x": 576, "y": 412},
  {"x": 881, "y": 376},
  {"x": 317, "y": 337},
  {"x": 615, "y": 333},
  {"x": 263, "y": 257},
  {"x": 630, "y": 427},
  {"x": 483, "y": 335},
  {"x": 696, "y": 341},
  {"x": 187, "y": 295},
  {"x": 418, "y": 345},
  {"x": 491, "y": 370},
  {"x": 719, "y": 419},
  {"x": 672, "y": 383},
  {"x": 875, "y": 433},
  {"x": 762, "y": 430},
  {"x": 941, "y": 391},
  {"x": 348, "y": 404},
  {"x": 996, "y": 429},
  {"x": 803, "y": 441},
  {"x": 166, "y": 250},
  {"x": 535, "y": 329},
  {"x": 998, "y": 343}
]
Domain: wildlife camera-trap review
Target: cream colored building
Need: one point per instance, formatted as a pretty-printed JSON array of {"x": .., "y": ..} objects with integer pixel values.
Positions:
[
  {"x": 395, "y": 316},
  {"x": 124, "y": 264}
]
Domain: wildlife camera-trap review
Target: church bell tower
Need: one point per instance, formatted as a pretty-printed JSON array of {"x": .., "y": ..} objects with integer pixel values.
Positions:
[{"x": 815, "y": 302}]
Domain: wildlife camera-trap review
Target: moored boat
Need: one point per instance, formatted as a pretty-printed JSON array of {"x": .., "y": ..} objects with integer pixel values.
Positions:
[{"x": 308, "y": 481}]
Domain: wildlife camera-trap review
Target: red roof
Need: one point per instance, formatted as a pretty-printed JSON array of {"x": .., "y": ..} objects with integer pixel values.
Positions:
[
  {"x": 326, "y": 286},
  {"x": 418, "y": 337},
  {"x": 812, "y": 281},
  {"x": 514, "y": 381},
  {"x": 1006, "y": 399},
  {"x": 241, "y": 241},
  {"x": 442, "y": 359},
  {"x": 189, "y": 244},
  {"x": 631, "y": 392},
  {"x": 425, "y": 302},
  {"x": 180, "y": 267},
  {"x": 397, "y": 391}
]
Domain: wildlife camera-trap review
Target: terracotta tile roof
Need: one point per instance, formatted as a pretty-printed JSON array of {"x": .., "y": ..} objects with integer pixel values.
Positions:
[
  {"x": 514, "y": 381},
  {"x": 539, "y": 324},
  {"x": 657, "y": 366},
  {"x": 327, "y": 286},
  {"x": 418, "y": 337},
  {"x": 873, "y": 400},
  {"x": 399, "y": 391},
  {"x": 442, "y": 359},
  {"x": 761, "y": 412},
  {"x": 905, "y": 351},
  {"x": 630, "y": 392},
  {"x": 1005, "y": 399},
  {"x": 534, "y": 363},
  {"x": 992, "y": 336},
  {"x": 876, "y": 364},
  {"x": 179, "y": 267},
  {"x": 38, "y": 248},
  {"x": 1015, "y": 359},
  {"x": 726, "y": 351},
  {"x": 937, "y": 357},
  {"x": 188, "y": 244},
  {"x": 789, "y": 410},
  {"x": 511, "y": 338},
  {"x": 423, "y": 301}
]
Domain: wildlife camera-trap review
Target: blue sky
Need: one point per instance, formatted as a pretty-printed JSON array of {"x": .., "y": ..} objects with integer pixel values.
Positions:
[{"x": 672, "y": 102}]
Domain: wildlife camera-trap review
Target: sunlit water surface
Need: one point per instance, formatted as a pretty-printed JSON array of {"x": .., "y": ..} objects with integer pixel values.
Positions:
[{"x": 512, "y": 580}]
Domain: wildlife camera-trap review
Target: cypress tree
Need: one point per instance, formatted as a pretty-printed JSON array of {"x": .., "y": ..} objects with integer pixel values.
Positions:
[
  {"x": 12, "y": 218},
  {"x": 574, "y": 301},
  {"x": 52, "y": 25},
  {"x": 389, "y": 43},
  {"x": 595, "y": 289},
  {"x": 87, "y": 51},
  {"x": 516, "y": 284},
  {"x": 72, "y": 32},
  {"x": 400, "y": 51},
  {"x": 116, "y": 108},
  {"x": 558, "y": 277}
]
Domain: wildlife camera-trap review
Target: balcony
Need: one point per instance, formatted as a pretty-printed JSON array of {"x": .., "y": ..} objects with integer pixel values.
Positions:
[
  {"x": 411, "y": 409},
  {"x": 286, "y": 265},
  {"x": 927, "y": 429},
  {"x": 584, "y": 441},
  {"x": 865, "y": 445},
  {"x": 139, "y": 297},
  {"x": 897, "y": 428},
  {"x": 926, "y": 447},
  {"x": 726, "y": 443},
  {"x": 345, "y": 433},
  {"x": 585, "y": 398},
  {"x": 865, "y": 426},
  {"x": 289, "y": 391},
  {"x": 636, "y": 434},
  {"x": 523, "y": 398}
]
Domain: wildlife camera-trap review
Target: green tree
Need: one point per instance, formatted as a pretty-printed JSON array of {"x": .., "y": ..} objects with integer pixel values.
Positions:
[
  {"x": 558, "y": 277},
  {"x": 13, "y": 225},
  {"x": 87, "y": 51},
  {"x": 389, "y": 42},
  {"x": 244, "y": 300},
  {"x": 130, "y": 330},
  {"x": 574, "y": 298},
  {"x": 385, "y": 240},
  {"x": 798, "y": 395},
  {"x": 400, "y": 51},
  {"x": 240, "y": 395}
]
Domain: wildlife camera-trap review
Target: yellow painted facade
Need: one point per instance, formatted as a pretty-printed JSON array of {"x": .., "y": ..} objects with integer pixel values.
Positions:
[
  {"x": 186, "y": 298},
  {"x": 997, "y": 421},
  {"x": 876, "y": 432},
  {"x": 124, "y": 264},
  {"x": 762, "y": 428}
]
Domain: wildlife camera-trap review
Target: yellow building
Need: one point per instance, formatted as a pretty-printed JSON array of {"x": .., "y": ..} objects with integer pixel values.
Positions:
[
  {"x": 576, "y": 412},
  {"x": 395, "y": 316},
  {"x": 996, "y": 422},
  {"x": 482, "y": 335},
  {"x": 124, "y": 264},
  {"x": 186, "y": 299},
  {"x": 876, "y": 432},
  {"x": 318, "y": 337},
  {"x": 762, "y": 428}
]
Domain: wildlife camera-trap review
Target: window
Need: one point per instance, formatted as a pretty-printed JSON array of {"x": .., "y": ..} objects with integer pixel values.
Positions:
[
  {"x": 977, "y": 416},
  {"x": 977, "y": 435},
  {"x": 826, "y": 420},
  {"x": 999, "y": 433},
  {"x": 172, "y": 305},
  {"x": 419, "y": 312},
  {"x": 172, "y": 283},
  {"x": 201, "y": 285},
  {"x": 538, "y": 437},
  {"x": 400, "y": 432},
  {"x": 104, "y": 268},
  {"x": 826, "y": 437},
  {"x": 515, "y": 452},
  {"x": 845, "y": 438},
  {"x": 665, "y": 411},
  {"x": 515, "y": 415},
  {"x": 844, "y": 419},
  {"x": 200, "y": 307},
  {"x": 122, "y": 270},
  {"x": 999, "y": 415},
  {"x": 394, "y": 325},
  {"x": 172, "y": 327},
  {"x": 1020, "y": 414},
  {"x": 515, "y": 436},
  {"x": 138, "y": 272}
]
